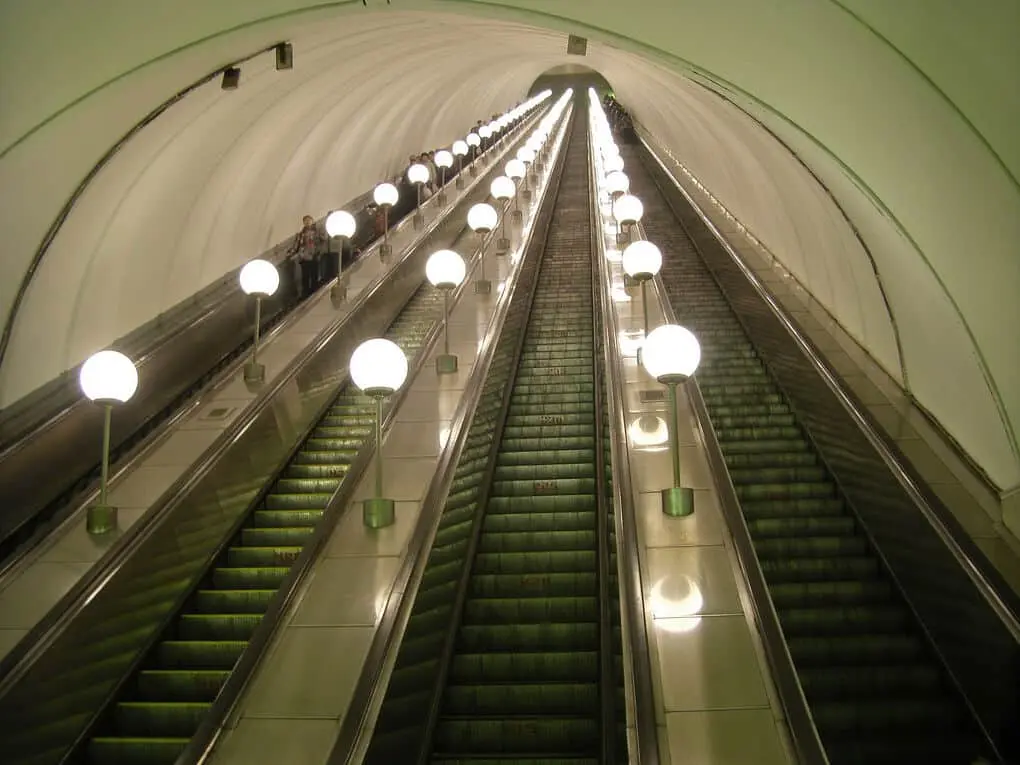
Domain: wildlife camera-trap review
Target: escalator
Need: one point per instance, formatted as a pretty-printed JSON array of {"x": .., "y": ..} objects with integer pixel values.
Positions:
[
  {"x": 160, "y": 707},
  {"x": 875, "y": 689},
  {"x": 526, "y": 681}
]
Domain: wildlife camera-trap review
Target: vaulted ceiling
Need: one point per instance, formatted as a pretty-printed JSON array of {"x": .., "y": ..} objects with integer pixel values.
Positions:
[{"x": 871, "y": 144}]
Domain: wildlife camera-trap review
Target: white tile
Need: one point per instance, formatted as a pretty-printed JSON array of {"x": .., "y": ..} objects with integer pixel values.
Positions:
[
  {"x": 347, "y": 592},
  {"x": 27, "y": 599},
  {"x": 291, "y": 683},
  {"x": 708, "y": 662},
  {"x": 703, "y": 527},
  {"x": 404, "y": 478},
  {"x": 181, "y": 449},
  {"x": 423, "y": 406},
  {"x": 217, "y": 414},
  {"x": 654, "y": 470},
  {"x": 10, "y": 637},
  {"x": 144, "y": 485},
  {"x": 414, "y": 439},
  {"x": 352, "y": 537},
  {"x": 78, "y": 545},
  {"x": 724, "y": 737},
  {"x": 691, "y": 581},
  {"x": 271, "y": 742}
]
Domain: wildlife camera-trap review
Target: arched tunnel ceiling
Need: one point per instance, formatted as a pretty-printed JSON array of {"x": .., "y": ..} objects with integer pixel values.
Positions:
[{"x": 905, "y": 111}]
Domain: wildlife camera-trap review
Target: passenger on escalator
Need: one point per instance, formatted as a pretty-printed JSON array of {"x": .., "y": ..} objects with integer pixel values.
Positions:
[{"x": 307, "y": 245}]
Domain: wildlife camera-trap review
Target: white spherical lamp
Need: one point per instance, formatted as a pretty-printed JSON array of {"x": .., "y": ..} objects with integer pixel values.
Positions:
[
  {"x": 385, "y": 195},
  {"x": 515, "y": 169},
  {"x": 628, "y": 209},
  {"x": 526, "y": 155},
  {"x": 617, "y": 183},
  {"x": 485, "y": 132},
  {"x": 473, "y": 139},
  {"x": 444, "y": 159},
  {"x": 610, "y": 149},
  {"x": 671, "y": 353},
  {"x": 108, "y": 377},
  {"x": 502, "y": 188},
  {"x": 260, "y": 278},
  {"x": 642, "y": 260},
  {"x": 459, "y": 148},
  {"x": 482, "y": 218},
  {"x": 445, "y": 269},
  {"x": 418, "y": 173},
  {"x": 341, "y": 223},
  {"x": 378, "y": 367}
]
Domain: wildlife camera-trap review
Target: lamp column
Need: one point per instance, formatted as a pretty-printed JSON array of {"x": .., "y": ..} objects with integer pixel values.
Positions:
[
  {"x": 107, "y": 378},
  {"x": 259, "y": 278},
  {"x": 378, "y": 368}
]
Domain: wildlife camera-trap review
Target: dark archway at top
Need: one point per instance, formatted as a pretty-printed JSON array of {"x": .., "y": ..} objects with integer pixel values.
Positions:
[{"x": 575, "y": 76}]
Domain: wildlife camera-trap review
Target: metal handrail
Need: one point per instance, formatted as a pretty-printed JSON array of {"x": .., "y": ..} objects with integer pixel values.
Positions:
[
  {"x": 389, "y": 633},
  {"x": 1002, "y": 601},
  {"x": 17, "y": 662},
  {"x": 632, "y": 600},
  {"x": 607, "y": 677}
]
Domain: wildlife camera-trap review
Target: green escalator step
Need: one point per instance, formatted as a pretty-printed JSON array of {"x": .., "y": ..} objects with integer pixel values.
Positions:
[
  {"x": 135, "y": 751},
  {"x": 181, "y": 685}
]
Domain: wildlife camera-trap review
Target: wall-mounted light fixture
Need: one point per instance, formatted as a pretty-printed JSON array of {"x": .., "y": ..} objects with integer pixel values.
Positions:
[{"x": 284, "y": 56}]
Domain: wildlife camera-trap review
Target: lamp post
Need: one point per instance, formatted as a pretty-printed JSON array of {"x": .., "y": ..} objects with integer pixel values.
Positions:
[
  {"x": 627, "y": 210},
  {"x": 378, "y": 367},
  {"x": 260, "y": 279},
  {"x": 460, "y": 150},
  {"x": 444, "y": 161},
  {"x": 641, "y": 262},
  {"x": 515, "y": 171},
  {"x": 485, "y": 133},
  {"x": 385, "y": 195},
  {"x": 107, "y": 378},
  {"x": 474, "y": 142},
  {"x": 340, "y": 224},
  {"x": 503, "y": 189},
  {"x": 418, "y": 175},
  {"x": 671, "y": 355},
  {"x": 538, "y": 144},
  {"x": 525, "y": 156},
  {"x": 445, "y": 270},
  {"x": 482, "y": 219}
]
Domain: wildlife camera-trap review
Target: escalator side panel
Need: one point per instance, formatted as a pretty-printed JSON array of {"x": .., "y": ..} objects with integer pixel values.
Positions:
[
  {"x": 972, "y": 639},
  {"x": 48, "y": 708}
]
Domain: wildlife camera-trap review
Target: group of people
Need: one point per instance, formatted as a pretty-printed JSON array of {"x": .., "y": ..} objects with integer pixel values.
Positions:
[
  {"x": 313, "y": 257},
  {"x": 619, "y": 119}
]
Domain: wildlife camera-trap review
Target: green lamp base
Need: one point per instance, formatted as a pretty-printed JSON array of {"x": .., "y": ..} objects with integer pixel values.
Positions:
[
  {"x": 446, "y": 364},
  {"x": 338, "y": 294},
  {"x": 483, "y": 287},
  {"x": 678, "y": 502},
  {"x": 378, "y": 513},
  {"x": 254, "y": 372},
  {"x": 100, "y": 519}
]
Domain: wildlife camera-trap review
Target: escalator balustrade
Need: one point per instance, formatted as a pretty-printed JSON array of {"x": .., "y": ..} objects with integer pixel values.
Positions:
[
  {"x": 874, "y": 687},
  {"x": 160, "y": 708}
]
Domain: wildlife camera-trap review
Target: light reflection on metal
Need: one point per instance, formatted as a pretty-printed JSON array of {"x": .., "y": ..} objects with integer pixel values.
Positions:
[{"x": 649, "y": 433}]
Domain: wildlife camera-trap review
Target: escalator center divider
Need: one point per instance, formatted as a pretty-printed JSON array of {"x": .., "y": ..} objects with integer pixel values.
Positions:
[
  {"x": 523, "y": 679},
  {"x": 106, "y": 655},
  {"x": 418, "y": 676},
  {"x": 453, "y": 493}
]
